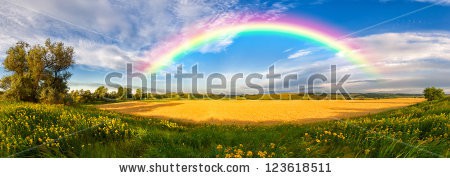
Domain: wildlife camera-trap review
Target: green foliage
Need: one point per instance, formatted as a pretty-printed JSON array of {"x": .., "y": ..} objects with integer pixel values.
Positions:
[
  {"x": 39, "y": 73},
  {"x": 50, "y": 95},
  {"x": 54, "y": 131},
  {"x": 81, "y": 96},
  {"x": 420, "y": 130},
  {"x": 138, "y": 94},
  {"x": 5, "y": 83},
  {"x": 120, "y": 92},
  {"x": 124, "y": 93},
  {"x": 113, "y": 94},
  {"x": 100, "y": 95},
  {"x": 433, "y": 93},
  {"x": 101, "y": 92},
  {"x": 128, "y": 93}
]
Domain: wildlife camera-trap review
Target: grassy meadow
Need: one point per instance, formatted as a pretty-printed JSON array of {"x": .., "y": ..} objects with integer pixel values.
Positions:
[{"x": 39, "y": 130}]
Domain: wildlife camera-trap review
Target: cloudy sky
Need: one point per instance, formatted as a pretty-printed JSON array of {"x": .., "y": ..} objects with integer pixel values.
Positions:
[{"x": 407, "y": 41}]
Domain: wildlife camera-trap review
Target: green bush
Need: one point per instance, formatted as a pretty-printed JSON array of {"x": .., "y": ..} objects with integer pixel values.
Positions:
[{"x": 433, "y": 93}]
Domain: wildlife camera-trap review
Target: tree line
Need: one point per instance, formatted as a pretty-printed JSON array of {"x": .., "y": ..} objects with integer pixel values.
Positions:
[{"x": 102, "y": 94}]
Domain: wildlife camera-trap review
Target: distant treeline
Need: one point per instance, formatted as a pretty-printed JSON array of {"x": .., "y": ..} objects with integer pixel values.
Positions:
[
  {"x": 102, "y": 94},
  {"x": 281, "y": 96}
]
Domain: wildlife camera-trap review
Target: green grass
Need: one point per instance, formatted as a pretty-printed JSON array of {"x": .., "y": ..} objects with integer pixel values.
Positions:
[{"x": 420, "y": 130}]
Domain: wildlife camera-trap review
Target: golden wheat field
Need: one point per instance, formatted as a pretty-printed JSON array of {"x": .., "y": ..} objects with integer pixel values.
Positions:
[{"x": 257, "y": 111}]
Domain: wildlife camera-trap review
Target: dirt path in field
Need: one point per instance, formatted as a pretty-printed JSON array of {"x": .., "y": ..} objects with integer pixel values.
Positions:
[{"x": 257, "y": 111}]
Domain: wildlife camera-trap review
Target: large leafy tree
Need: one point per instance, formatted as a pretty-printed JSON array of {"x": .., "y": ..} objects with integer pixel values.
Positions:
[
  {"x": 18, "y": 84},
  {"x": 38, "y": 73},
  {"x": 433, "y": 93}
]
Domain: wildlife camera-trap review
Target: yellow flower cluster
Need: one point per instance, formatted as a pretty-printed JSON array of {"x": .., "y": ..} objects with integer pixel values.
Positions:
[
  {"x": 26, "y": 125},
  {"x": 241, "y": 151},
  {"x": 171, "y": 125}
]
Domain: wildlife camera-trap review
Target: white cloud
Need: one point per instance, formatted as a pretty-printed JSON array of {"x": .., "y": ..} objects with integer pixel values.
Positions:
[
  {"x": 299, "y": 53},
  {"x": 435, "y": 1},
  {"x": 287, "y": 50},
  {"x": 113, "y": 33},
  {"x": 101, "y": 55},
  {"x": 217, "y": 46},
  {"x": 391, "y": 49},
  {"x": 5, "y": 43},
  {"x": 407, "y": 63}
]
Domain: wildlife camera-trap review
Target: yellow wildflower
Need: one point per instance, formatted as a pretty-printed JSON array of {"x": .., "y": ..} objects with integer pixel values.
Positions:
[
  {"x": 249, "y": 153},
  {"x": 262, "y": 154},
  {"x": 272, "y": 145},
  {"x": 239, "y": 152}
]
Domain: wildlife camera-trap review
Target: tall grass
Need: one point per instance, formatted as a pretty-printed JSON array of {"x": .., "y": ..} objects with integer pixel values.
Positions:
[{"x": 420, "y": 130}]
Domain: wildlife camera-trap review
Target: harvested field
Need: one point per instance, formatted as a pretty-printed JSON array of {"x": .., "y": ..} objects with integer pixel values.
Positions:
[{"x": 258, "y": 111}]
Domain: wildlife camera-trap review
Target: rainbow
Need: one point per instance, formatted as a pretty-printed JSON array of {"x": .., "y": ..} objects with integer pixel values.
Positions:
[{"x": 165, "y": 54}]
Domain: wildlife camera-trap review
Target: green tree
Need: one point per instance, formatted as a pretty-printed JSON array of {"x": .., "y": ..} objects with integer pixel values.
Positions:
[
  {"x": 38, "y": 73},
  {"x": 433, "y": 93},
  {"x": 36, "y": 67},
  {"x": 5, "y": 83},
  {"x": 57, "y": 61},
  {"x": 101, "y": 92},
  {"x": 75, "y": 95},
  {"x": 113, "y": 94},
  {"x": 138, "y": 94},
  {"x": 18, "y": 83},
  {"x": 120, "y": 93},
  {"x": 127, "y": 93},
  {"x": 86, "y": 96}
]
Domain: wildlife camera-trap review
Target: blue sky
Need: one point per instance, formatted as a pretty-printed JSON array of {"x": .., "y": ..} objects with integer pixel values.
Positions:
[{"x": 412, "y": 51}]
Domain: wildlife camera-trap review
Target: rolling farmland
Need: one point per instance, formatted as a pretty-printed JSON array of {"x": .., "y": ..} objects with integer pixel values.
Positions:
[{"x": 257, "y": 111}]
